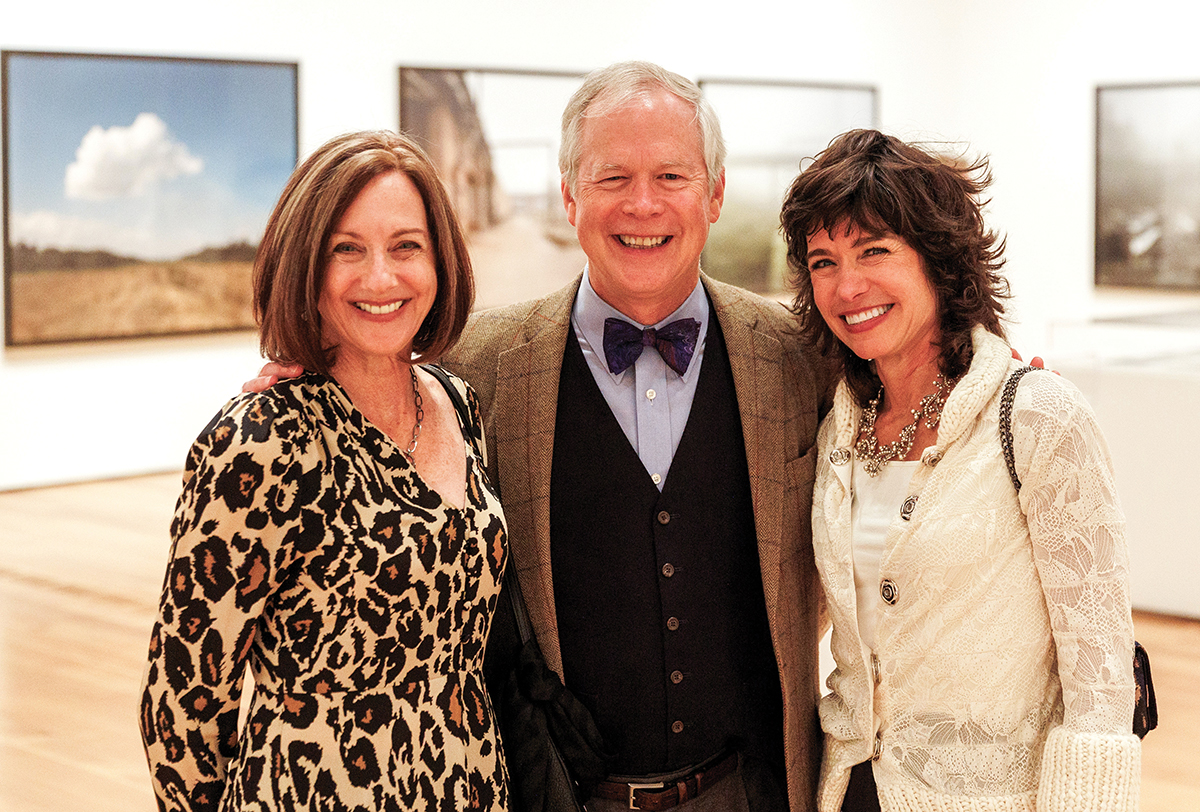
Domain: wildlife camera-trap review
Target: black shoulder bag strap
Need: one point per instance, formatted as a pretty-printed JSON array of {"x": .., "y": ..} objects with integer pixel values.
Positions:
[
  {"x": 1145, "y": 706},
  {"x": 460, "y": 405}
]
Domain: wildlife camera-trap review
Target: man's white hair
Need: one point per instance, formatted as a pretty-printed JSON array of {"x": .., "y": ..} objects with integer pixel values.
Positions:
[{"x": 609, "y": 88}]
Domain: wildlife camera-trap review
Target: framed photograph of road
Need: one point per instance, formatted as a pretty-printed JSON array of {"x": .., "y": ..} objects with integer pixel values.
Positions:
[
  {"x": 136, "y": 190},
  {"x": 493, "y": 136},
  {"x": 1148, "y": 186},
  {"x": 769, "y": 128}
]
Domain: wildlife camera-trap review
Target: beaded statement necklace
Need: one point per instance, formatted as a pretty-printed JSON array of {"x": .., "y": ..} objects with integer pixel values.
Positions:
[{"x": 874, "y": 456}]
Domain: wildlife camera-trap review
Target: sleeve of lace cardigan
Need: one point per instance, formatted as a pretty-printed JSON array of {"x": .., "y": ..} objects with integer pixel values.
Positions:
[
  {"x": 1069, "y": 496},
  {"x": 1093, "y": 760}
]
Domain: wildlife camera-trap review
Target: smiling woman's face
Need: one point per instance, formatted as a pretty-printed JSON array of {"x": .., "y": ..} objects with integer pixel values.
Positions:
[
  {"x": 872, "y": 291},
  {"x": 380, "y": 272}
]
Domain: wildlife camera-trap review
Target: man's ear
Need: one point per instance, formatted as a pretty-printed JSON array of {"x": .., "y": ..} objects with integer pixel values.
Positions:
[
  {"x": 717, "y": 198},
  {"x": 568, "y": 201}
]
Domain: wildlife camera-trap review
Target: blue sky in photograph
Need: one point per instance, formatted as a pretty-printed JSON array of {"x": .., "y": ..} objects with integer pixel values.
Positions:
[{"x": 145, "y": 157}]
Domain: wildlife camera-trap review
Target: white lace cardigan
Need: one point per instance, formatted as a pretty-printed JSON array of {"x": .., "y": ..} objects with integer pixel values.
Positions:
[{"x": 1005, "y": 678}]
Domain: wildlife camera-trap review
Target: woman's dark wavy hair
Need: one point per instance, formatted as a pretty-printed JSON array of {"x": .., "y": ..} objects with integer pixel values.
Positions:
[{"x": 880, "y": 184}]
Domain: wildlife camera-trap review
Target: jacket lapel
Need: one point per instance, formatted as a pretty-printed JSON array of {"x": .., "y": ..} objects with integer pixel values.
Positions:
[
  {"x": 756, "y": 360},
  {"x": 526, "y": 403}
]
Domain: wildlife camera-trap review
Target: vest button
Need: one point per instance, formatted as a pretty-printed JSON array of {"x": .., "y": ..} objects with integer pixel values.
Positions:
[
  {"x": 677, "y": 726},
  {"x": 673, "y": 623},
  {"x": 664, "y": 517},
  {"x": 676, "y": 677},
  {"x": 668, "y": 570}
]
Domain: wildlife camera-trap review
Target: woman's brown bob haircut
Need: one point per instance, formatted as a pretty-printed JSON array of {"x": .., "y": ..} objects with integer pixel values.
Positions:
[
  {"x": 880, "y": 184},
  {"x": 289, "y": 269}
]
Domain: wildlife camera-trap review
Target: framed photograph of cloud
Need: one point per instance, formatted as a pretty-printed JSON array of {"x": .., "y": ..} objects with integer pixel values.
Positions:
[
  {"x": 136, "y": 190},
  {"x": 769, "y": 128},
  {"x": 494, "y": 137},
  {"x": 1148, "y": 186}
]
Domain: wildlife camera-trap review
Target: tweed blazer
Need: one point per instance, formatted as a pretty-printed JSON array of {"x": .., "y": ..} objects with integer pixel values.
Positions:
[{"x": 512, "y": 356}]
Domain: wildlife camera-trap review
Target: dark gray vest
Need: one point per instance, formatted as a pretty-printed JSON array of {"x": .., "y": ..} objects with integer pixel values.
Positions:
[{"x": 659, "y": 597}]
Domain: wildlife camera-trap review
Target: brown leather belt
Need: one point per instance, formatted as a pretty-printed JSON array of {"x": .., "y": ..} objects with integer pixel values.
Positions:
[{"x": 667, "y": 794}]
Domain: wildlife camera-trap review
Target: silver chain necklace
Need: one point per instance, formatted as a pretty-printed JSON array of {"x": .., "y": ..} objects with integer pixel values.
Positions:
[
  {"x": 872, "y": 454},
  {"x": 412, "y": 447}
]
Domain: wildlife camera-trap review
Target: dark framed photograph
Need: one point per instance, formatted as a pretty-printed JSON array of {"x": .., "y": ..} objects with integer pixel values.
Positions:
[
  {"x": 1148, "y": 186},
  {"x": 136, "y": 190},
  {"x": 494, "y": 137},
  {"x": 769, "y": 128}
]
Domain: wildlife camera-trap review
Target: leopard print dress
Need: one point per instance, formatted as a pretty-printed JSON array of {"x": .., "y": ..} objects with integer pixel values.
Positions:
[{"x": 306, "y": 547}]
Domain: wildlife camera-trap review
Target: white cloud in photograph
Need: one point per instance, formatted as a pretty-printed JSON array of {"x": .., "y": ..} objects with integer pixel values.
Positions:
[{"x": 120, "y": 162}]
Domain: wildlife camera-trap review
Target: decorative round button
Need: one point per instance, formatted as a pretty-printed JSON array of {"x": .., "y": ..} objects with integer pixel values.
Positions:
[
  {"x": 677, "y": 726},
  {"x": 676, "y": 677},
  {"x": 651, "y": 394},
  {"x": 906, "y": 510},
  {"x": 663, "y": 517},
  {"x": 887, "y": 591},
  {"x": 839, "y": 456},
  {"x": 931, "y": 456},
  {"x": 673, "y": 624},
  {"x": 668, "y": 570}
]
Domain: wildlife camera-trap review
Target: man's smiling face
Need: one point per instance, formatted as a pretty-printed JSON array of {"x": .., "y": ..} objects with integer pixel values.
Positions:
[{"x": 642, "y": 205}]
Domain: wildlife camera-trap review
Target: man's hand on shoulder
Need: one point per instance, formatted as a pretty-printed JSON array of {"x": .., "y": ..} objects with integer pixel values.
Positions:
[
  {"x": 1036, "y": 361},
  {"x": 271, "y": 374}
]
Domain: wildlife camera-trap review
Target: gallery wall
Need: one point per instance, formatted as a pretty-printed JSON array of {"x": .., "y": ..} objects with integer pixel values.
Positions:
[{"x": 1016, "y": 80}]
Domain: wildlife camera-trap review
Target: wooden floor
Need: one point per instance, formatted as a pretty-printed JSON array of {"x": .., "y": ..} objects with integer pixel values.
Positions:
[{"x": 80, "y": 571}]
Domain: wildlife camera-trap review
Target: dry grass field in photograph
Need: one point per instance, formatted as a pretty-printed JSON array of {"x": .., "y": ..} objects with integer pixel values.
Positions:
[{"x": 139, "y": 299}]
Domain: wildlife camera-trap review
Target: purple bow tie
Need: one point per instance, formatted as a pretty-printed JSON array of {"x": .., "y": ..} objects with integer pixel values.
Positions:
[{"x": 675, "y": 342}]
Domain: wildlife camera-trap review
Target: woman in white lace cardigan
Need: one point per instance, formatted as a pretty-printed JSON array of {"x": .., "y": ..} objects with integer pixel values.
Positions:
[{"x": 983, "y": 638}]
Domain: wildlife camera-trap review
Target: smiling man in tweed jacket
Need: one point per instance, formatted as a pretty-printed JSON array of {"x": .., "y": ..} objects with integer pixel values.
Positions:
[{"x": 658, "y": 506}]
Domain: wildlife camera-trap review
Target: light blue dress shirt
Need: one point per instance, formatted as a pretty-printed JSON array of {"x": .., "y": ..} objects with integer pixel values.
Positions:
[{"x": 649, "y": 399}]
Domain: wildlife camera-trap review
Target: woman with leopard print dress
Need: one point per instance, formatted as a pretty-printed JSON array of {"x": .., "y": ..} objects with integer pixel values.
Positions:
[{"x": 336, "y": 534}]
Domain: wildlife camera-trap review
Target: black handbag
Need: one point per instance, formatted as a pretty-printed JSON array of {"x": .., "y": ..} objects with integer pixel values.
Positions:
[
  {"x": 554, "y": 751},
  {"x": 1145, "y": 708}
]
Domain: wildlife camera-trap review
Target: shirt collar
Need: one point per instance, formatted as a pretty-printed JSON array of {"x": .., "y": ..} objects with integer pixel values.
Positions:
[{"x": 590, "y": 311}]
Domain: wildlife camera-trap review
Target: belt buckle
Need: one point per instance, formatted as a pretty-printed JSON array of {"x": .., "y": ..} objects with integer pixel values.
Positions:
[{"x": 633, "y": 787}]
